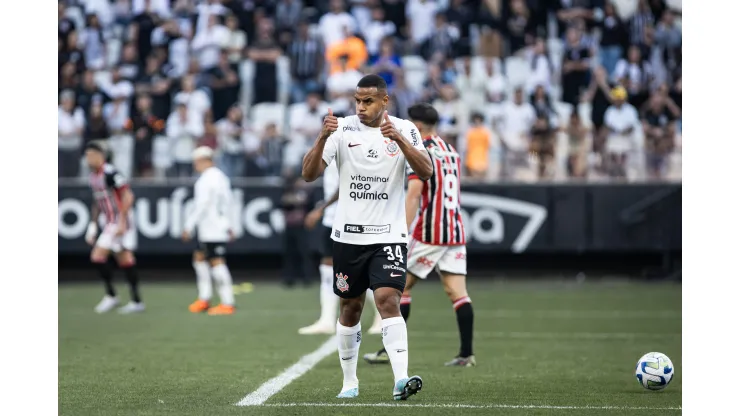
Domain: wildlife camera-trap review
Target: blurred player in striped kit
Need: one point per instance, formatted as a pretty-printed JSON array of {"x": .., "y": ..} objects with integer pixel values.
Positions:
[
  {"x": 113, "y": 198},
  {"x": 327, "y": 322},
  {"x": 437, "y": 233}
]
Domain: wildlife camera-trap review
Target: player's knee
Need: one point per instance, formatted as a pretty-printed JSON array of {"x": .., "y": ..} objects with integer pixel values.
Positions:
[
  {"x": 216, "y": 261},
  {"x": 388, "y": 301},
  {"x": 454, "y": 285},
  {"x": 99, "y": 255},
  {"x": 350, "y": 311},
  {"x": 125, "y": 259},
  {"x": 198, "y": 256}
]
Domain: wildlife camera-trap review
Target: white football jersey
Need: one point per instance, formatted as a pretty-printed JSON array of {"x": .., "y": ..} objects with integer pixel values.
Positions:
[
  {"x": 210, "y": 216},
  {"x": 331, "y": 183},
  {"x": 372, "y": 170}
]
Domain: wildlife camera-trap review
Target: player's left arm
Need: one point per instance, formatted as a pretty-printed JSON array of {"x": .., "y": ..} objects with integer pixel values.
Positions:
[
  {"x": 123, "y": 191},
  {"x": 201, "y": 197},
  {"x": 412, "y": 147},
  {"x": 413, "y": 195}
]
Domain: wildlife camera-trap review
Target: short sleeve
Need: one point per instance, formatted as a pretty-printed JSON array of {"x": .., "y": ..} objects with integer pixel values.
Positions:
[
  {"x": 411, "y": 133},
  {"x": 115, "y": 179},
  {"x": 331, "y": 147}
]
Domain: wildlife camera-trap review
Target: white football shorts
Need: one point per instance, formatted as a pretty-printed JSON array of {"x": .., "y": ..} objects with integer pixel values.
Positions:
[
  {"x": 110, "y": 241},
  {"x": 423, "y": 258}
]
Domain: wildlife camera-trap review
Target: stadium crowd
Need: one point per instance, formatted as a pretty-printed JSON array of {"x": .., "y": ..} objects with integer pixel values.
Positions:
[{"x": 526, "y": 89}]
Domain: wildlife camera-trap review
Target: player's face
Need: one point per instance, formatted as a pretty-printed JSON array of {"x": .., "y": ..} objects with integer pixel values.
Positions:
[
  {"x": 94, "y": 159},
  {"x": 198, "y": 165},
  {"x": 369, "y": 105}
]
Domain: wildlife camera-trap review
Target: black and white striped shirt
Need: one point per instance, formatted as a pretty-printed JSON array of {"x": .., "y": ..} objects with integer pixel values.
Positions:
[{"x": 306, "y": 56}]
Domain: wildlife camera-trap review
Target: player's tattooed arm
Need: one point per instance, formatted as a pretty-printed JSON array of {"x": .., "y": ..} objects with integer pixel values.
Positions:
[
  {"x": 413, "y": 195},
  {"x": 313, "y": 161},
  {"x": 418, "y": 159}
]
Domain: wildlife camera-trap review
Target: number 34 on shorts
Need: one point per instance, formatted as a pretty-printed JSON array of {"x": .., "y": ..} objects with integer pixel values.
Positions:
[{"x": 359, "y": 267}]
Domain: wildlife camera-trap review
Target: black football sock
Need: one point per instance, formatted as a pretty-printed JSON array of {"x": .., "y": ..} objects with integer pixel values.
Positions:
[
  {"x": 464, "y": 312},
  {"x": 107, "y": 275},
  {"x": 133, "y": 282},
  {"x": 405, "y": 313}
]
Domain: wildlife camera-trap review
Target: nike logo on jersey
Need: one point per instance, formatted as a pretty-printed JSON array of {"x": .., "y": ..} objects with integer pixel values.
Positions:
[
  {"x": 354, "y": 144},
  {"x": 396, "y": 275}
]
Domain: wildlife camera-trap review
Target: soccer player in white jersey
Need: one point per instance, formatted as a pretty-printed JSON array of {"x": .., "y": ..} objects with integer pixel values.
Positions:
[
  {"x": 437, "y": 234},
  {"x": 113, "y": 197},
  {"x": 370, "y": 234},
  {"x": 327, "y": 323},
  {"x": 212, "y": 196}
]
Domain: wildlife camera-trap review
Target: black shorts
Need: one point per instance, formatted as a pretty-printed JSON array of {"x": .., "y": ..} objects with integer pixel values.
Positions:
[
  {"x": 357, "y": 268},
  {"x": 212, "y": 250},
  {"x": 326, "y": 244}
]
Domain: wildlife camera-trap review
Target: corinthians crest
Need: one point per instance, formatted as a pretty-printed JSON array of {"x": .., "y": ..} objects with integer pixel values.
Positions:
[
  {"x": 391, "y": 148},
  {"x": 342, "y": 284}
]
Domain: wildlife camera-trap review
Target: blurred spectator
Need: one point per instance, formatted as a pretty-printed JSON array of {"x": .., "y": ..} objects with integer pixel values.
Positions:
[
  {"x": 153, "y": 82},
  {"x": 543, "y": 132},
  {"x": 635, "y": 74},
  {"x": 271, "y": 151},
  {"x": 613, "y": 38},
  {"x": 622, "y": 121},
  {"x": 453, "y": 112},
  {"x": 569, "y": 11},
  {"x": 231, "y": 136},
  {"x": 160, "y": 7},
  {"x": 542, "y": 69},
  {"x": 141, "y": 28},
  {"x": 640, "y": 21},
  {"x": 402, "y": 97},
  {"x": 599, "y": 95},
  {"x": 144, "y": 125},
  {"x": 518, "y": 119},
  {"x": 519, "y": 27},
  {"x": 224, "y": 87},
  {"x": 341, "y": 85},
  {"x": 72, "y": 54},
  {"x": 362, "y": 12},
  {"x": 129, "y": 65},
  {"x": 387, "y": 64},
  {"x": 669, "y": 39},
  {"x": 65, "y": 25},
  {"x": 306, "y": 119},
  {"x": 196, "y": 100},
  {"x": 287, "y": 15},
  {"x": 577, "y": 133},
  {"x": 575, "y": 67},
  {"x": 265, "y": 53},
  {"x": 92, "y": 38},
  {"x": 295, "y": 203},
  {"x": 351, "y": 47},
  {"x": 174, "y": 36},
  {"x": 471, "y": 85},
  {"x": 496, "y": 83},
  {"x": 461, "y": 17},
  {"x": 70, "y": 125},
  {"x": 395, "y": 12},
  {"x": 489, "y": 18},
  {"x": 442, "y": 40},
  {"x": 96, "y": 128},
  {"x": 236, "y": 40},
  {"x": 306, "y": 63},
  {"x": 184, "y": 128},
  {"x": 208, "y": 42},
  {"x": 478, "y": 146},
  {"x": 117, "y": 114},
  {"x": 659, "y": 126},
  {"x": 332, "y": 24},
  {"x": 88, "y": 92},
  {"x": 377, "y": 30},
  {"x": 422, "y": 16}
]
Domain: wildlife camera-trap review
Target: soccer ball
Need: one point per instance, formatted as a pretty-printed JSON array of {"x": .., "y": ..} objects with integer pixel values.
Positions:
[{"x": 654, "y": 371}]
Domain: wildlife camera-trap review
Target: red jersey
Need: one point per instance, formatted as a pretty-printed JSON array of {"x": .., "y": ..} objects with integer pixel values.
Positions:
[
  {"x": 107, "y": 185},
  {"x": 439, "y": 221}
]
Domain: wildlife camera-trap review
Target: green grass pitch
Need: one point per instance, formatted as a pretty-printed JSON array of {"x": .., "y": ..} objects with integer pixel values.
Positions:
[{"x": 542, "y": 348}]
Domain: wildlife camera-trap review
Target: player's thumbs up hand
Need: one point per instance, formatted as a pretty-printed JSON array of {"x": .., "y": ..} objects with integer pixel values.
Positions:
[
  {"x": 388, "y": 129},
  {"x": 331, "y": 124}
]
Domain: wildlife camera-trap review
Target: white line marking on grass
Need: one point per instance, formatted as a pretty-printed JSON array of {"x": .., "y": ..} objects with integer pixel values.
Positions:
[
  {"x": 274, "y": 385},
  {"x": 469, "y": 406}
]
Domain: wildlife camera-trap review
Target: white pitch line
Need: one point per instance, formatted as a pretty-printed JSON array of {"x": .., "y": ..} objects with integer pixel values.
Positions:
[
  {"x": 470, "y": 406},
  {"x": 274, "y": 385}
]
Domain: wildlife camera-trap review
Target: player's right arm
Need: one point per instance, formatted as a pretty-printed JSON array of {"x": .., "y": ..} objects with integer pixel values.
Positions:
[
  {"x": 201, "y": 199},
  {"x": 92, "y": 228},
  {"x": 413, "y": 195},
  {"x": 315, "y": 161}
]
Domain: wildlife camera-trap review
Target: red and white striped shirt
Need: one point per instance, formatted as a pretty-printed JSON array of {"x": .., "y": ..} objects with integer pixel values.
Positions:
[
  {"x": 108, "y": 185},
  {"x": 439, "y": 221}
]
